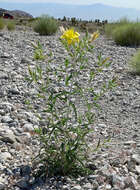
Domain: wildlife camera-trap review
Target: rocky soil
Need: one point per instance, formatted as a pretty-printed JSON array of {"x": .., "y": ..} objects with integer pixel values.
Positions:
[{"x": 117, "y": 165}]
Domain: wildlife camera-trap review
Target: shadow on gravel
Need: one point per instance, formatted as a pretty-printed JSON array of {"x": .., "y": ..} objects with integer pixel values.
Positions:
[{"x": 22, "y": 178}]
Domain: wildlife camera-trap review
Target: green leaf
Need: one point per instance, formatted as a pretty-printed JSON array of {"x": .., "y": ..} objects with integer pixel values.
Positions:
[
  {"x": 27, "y": 102},
  {"x": 82, "y": 67},
  {"x": 68, "y": 79},
  {"x": 107, "y": 64},
  {"x": 66, "y": 63},
  {"x": 74, "y": 108},
  {"x": 39, "y": 71},
  {"x": 62, "y": 147},
  {"x": 92, "y": 74},
  {"x": 38, "y": 130}
]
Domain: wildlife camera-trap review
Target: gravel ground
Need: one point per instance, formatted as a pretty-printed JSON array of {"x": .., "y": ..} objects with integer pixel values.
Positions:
[{"x": 117, "y": 165}]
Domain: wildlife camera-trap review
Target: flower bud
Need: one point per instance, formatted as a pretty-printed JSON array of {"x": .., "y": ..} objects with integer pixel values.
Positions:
[
  {"x": 34, "y": 45},
  {"x": 62, "y": 29},
  {"x": 94, "y": 36}
]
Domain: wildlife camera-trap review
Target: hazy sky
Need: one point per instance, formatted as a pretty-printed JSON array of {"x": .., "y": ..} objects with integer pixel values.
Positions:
[{"x": 120, "y": 3}]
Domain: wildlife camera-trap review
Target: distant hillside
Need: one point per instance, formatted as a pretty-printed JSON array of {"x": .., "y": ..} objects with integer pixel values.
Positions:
[
  {"x": 16, "y": 13},
  {"x": 86, "y": 12},
  {"x": 20, "y": 13}
]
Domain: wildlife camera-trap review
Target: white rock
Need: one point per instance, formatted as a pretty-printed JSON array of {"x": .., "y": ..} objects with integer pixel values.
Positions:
[
  {"x": 4, "y": 156},
  {"x": 2, "y": 186},
  {"x": 28, "y": 127},
  {"x": 137, "y": 169},
  {"x": 76, "y": 187},
  {"x": 136, "y": 158}
]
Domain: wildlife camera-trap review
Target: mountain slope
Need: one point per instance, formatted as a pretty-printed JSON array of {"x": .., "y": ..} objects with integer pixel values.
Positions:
[{"x": 16, "y": 13}]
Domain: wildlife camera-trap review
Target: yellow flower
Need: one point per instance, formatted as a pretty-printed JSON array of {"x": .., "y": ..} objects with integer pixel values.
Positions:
[
  {"x": 70, "y": 36},
  {"x": 94, "y": 36}
]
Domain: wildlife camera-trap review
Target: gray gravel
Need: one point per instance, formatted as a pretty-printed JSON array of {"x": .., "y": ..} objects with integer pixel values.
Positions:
[{"x": 117, "y": 164}]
